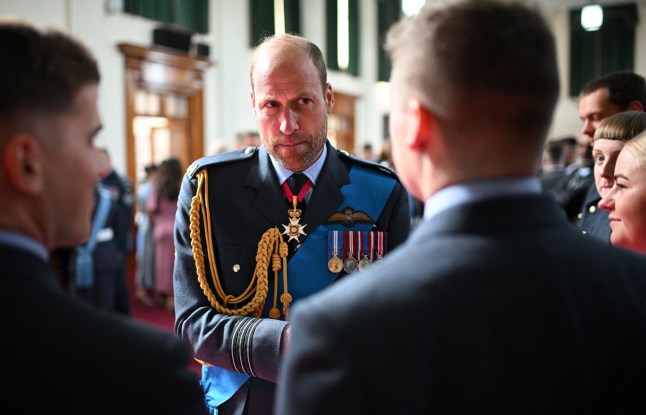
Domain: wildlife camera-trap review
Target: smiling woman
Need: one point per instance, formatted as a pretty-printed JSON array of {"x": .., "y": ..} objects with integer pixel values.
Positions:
[{"x": 626, "y": 201}]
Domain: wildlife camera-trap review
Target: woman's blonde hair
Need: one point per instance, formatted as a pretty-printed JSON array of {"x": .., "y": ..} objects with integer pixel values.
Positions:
[{"x": 637, "y": 146}]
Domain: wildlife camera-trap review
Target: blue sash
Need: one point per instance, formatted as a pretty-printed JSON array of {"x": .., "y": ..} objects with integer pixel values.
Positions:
[
  {"x": 312, "y": 257},
  {"x": 219, "y": 385},
  {"x": 310, "y": 260},
  {"x": 84, "y": 265}
]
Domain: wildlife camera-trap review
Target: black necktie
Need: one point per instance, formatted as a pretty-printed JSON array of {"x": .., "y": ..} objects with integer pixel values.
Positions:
[
  {"x": 296, "y": 183},
  {"x": 298, "y": 180}
]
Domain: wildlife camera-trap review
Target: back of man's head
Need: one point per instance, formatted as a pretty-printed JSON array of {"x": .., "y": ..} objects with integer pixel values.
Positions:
[
  {"x": 488, "y": 68},
  {"x": 569, "y": 145},
  {"x": 554, "y": 152},
  {"x": 41, "y": 71},
  {"x": 460, "y": 59},
  {"x": 623, "y": 87}
]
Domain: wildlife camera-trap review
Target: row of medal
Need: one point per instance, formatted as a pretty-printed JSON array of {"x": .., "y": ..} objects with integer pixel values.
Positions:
[{"x": 354, "y": 250}]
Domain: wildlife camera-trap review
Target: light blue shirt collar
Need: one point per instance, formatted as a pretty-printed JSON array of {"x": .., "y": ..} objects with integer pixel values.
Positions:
[
  {"x": 478, "y": 190},
  {"x": 24, "y": 242},
  {"x": 312, "y": 172}
]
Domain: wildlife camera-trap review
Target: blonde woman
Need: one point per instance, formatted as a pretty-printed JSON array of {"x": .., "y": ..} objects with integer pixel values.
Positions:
[{"x": 626, "y": 201}]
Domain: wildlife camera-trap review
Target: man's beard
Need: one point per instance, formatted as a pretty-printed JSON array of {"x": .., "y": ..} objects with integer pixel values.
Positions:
[{"x": 315, "y": 143}]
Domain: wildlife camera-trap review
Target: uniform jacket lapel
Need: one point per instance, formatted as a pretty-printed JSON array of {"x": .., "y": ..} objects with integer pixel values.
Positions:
[{"x": 270, "y": 200}]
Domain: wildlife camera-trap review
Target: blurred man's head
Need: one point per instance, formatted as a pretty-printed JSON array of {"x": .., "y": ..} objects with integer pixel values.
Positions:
[
  {"x": 48, "y": 121},
  {"x": 612, "y": 93},
  {"x": 479, "y": 98}
]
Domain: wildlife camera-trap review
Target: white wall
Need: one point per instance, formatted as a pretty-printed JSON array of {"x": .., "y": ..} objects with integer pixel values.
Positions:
[
  {"x": 101, "y": 32},
  {"x": 227, "y": 102}
]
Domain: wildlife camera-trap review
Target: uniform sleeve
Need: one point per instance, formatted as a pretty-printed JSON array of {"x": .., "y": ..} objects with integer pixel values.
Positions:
[
  {"x": 242, "y": 344},
  {"x": 395, "y": 217}
]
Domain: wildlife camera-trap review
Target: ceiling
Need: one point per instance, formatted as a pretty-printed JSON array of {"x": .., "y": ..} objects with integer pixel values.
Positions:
[
  {"x": 571, "y": 4},
  {"x": 559, "y": 4}
]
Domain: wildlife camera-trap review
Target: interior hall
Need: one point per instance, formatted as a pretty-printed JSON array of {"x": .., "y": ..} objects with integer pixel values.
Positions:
[{"x": 175, "y": 74}]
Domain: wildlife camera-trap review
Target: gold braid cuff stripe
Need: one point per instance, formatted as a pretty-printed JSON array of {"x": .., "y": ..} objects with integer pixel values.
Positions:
[{"x": 271, "y": 246}]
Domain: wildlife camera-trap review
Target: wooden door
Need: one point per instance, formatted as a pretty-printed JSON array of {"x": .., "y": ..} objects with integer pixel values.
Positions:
[
  {"x": 164, "y": 106},
  {"x": 341, "y": 122}
]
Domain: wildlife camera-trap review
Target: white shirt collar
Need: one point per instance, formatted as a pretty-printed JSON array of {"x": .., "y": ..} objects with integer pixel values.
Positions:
[{"x": 478, "y": 190}]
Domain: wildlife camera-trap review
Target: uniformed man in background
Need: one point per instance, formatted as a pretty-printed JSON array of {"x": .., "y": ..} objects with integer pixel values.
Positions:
[{"x": 124, "y": 200}]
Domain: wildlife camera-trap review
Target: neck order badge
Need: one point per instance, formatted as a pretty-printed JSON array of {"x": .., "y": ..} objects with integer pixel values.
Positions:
[{"x": 294, "y": 229}]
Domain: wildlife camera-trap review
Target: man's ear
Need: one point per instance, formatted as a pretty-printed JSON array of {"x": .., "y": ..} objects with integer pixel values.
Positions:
[
  {"x": 253, "y": 101},
  {"x": 329, "y": 98},
  {"x": 22, "y": 160},
  {"x": 635, "y": 106},
  {"x": 422, "y": 120}
]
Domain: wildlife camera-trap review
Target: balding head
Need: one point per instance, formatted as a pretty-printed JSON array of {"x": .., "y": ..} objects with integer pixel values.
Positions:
[{"x": 278, "y": 49}]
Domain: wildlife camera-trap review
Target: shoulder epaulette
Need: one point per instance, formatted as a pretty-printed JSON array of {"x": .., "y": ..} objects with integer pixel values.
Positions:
[
  {"x": 364, "y": 163},
  {"x": 221, "y": 158}
]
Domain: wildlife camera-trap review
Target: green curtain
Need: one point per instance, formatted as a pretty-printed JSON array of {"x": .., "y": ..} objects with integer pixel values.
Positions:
[
  {"x": 331, "y": 39},
  {"x": 331, "y": 11},
  {"x": 293, "y": 16},
  {"x": 262, "y": 20},
  {"x": 193, "y": 14},
  {"x": 611, "y": 48},
  {"x": 388, "y": 13},
  {"x": 188, "y": 14},
  {"x": 353, "y": 17}
]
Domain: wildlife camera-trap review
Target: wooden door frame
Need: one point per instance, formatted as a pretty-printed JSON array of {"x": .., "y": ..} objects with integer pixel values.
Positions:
[{"x": 161, "y": 70}]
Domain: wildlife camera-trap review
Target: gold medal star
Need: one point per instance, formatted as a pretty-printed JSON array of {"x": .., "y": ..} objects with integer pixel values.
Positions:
[{"x": 294, "y": 229}]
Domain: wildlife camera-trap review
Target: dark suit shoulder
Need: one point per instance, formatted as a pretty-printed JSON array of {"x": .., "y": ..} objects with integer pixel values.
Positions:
[
  {"x": 348, "y": 158},
  {"x": 221, "y": 158}
]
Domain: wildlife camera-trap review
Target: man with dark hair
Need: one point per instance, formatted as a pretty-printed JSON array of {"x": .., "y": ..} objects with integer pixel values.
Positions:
[
  {"x": 246, "y": 139},
  {"x": 494, "y": 304},
  {"x": 571, "y": 190},
  {"x": 551, "y": 164},
  {"x": 123, "y": 197},
  {"x": 570, "y": 159},
  {"x": 59, "y": 354},
  {"x": 612, "y": 93}
]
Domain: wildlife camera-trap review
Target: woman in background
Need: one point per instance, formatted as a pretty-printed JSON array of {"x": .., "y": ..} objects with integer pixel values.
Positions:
[
  {"x": 162, "y": 206},
  {"x": 145, "y": 265}
]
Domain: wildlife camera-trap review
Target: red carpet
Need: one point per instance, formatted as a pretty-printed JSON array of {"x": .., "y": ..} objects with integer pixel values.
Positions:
[{"x": 156, "y": 316}]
